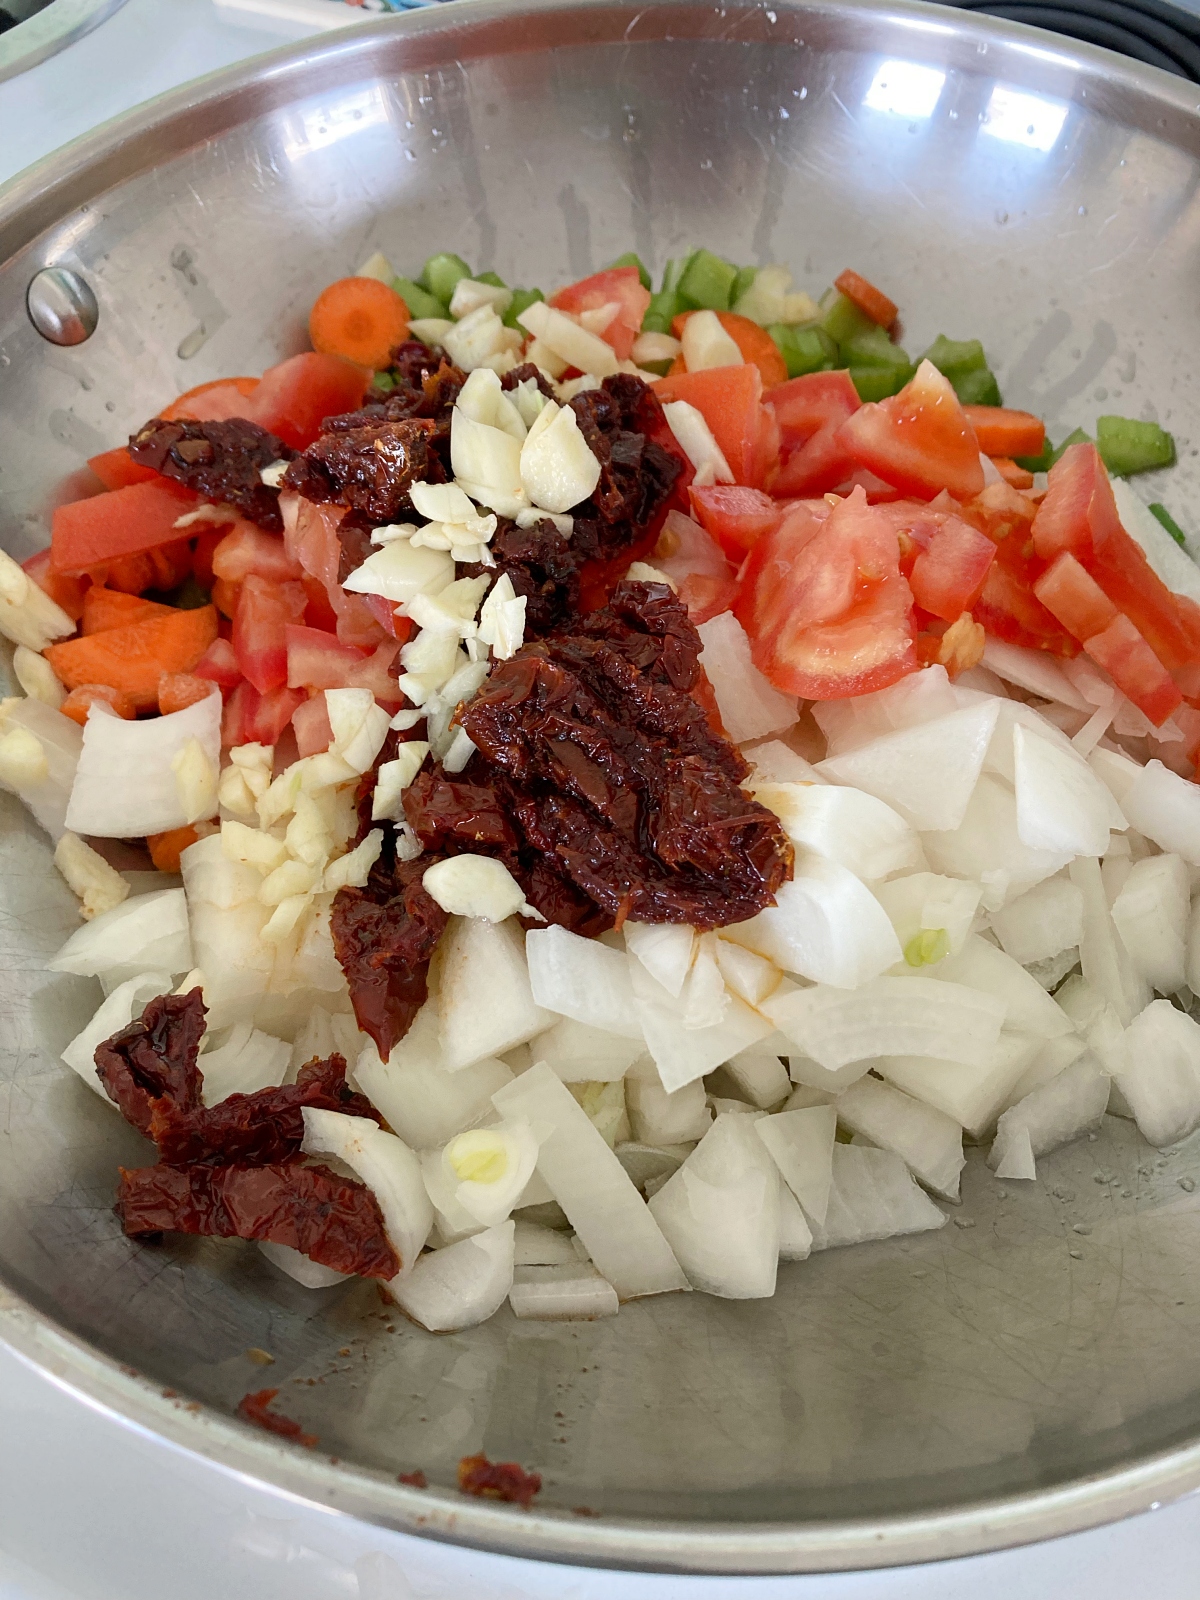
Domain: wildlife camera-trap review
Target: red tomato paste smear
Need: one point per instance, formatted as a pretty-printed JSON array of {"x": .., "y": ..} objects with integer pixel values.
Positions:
[
  {"x": 498, "y": 1480},
  {"x": 254, "y": 1408}
]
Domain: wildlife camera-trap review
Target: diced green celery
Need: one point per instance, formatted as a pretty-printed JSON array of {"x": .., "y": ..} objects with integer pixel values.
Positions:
[
  {"x": 841, "y": 318},
  {"x": 978, "y": 388},
  {"x": 707, "y": 282},
  {"x": 1127, "y": 446},
  {"x": 632, "y": 259},
  {"x": 674, "y": 271},
  {"x": 1041, "y": 463},
  {"x": 742, "y": 283},
  {"x": 419, "y": 301},
  {"x": 1078, "y": 437},
  {"x": 955, "y": 357},
  {"x": 494, "y": 278},
  {"x": 876, "y": 383},
  {"x": 872, "y": 348},
  {"x": 664, "y": 307},
  {"x": 441, "y": 273},
  {"x": 1169, "y": 523},
  {"x": 659, "y": 368},
  {"x": 522, "y": 299},
  {"x": 804, "y": 349}
]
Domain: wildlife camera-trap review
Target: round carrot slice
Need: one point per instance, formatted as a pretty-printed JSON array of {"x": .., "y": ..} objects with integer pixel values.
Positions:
[
  {"x": 360, "y": 319},
  {"x": 80, "y": 701}
]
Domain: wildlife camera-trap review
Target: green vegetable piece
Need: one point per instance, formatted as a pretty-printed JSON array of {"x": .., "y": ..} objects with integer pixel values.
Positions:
[
  {"x": 956, "y": 357},
  {"x": 743, "y": 282},
  {"x": 876, "y": 383},
  {"x": 978, "y": 388},
  {"x": 873, "y": 348},
  {"x": 841, "y": 318},
  {"x": 441, "y": 273},
  {"x": 707, "y": 282},
  {"x": 632, "y": 259},
  {"x": 189, "y": 596},
  {"x": 494, "y": 278},
  {"x": 673, "y": 272},
  {"x": 1078, "y": 437},
  {"x": 1127, "y": 446},
  {"x": 1041, "y": 463},
  {"x": 659, "y": 368},
  {"x": 664, "y": 307},
  {"x": 522, "y": 299},
  {"x": 804, "y": 349},
  {"x": 383, "y": 382},
  {"x": 926, "y": 947},
  {"x": 1169, "y": 523},
  {"x": 419, "y": 301}
]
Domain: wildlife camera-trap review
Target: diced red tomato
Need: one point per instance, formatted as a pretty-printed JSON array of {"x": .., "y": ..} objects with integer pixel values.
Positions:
[
  {"x": 384, "y": 612},
  {"x": 730, "y": 400},
  {"x": 318, "y": 613},
  {"x": 1075, "y": 598},
  {"x": 736, "y": 517},
  {"x": 1135, "y": 669},
  {"x": 253, "y": 718},
  {"x": 696, "y": 564},
  {"x": 1003, "y": 432},
  {"x": 247, "y": 549},
  {"x": 310, "y": 723},
  {"x": 317, "y": 660},
  {"x": 810, "y": 411},
  {"x": 294, "y": 398},
  {"x": 1078, "y": 511},
  {"x": 618, "y": 286},
  {"x": 948, "y": 578},
  {"x": 68, "y": 593},
  {"x": 117, "y": 469},
  {"x": 754, "y": 343},
  {"x": 824, "y": 603},
  {"x": 999, "y": 511},
  {"x": 310, "y": 536},
  {"x": 919, "y": 439},
  {"x": 212, "y": 402},
  {"x": 219, "y": 664},
  {"x": 872, "y": 302},
  {"x": 260, "y": 623},
  {"x": 86, "y": 534},
  {"x": 877, "y": 492}
]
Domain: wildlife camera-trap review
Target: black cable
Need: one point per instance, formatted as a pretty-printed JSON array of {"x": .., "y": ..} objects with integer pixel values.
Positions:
[{"x": 1153, "y": 31}]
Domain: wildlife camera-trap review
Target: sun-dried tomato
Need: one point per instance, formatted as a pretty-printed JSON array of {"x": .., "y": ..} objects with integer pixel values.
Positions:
[
  {"x": 369, "y": 469},
  {"x": 384, "y": 936},
  {"x": 219, "y": 460},
  {"x": 265, "y": 1126},
  {"x": 331, "y": 1219},
  {"x": 155, "y": 1058},
  {"x": 542, "y": 565},
  {"x": 624, "y": 427},
  {"x": 498, "y": 1480},
  {"x": 255, "y": 1408}
]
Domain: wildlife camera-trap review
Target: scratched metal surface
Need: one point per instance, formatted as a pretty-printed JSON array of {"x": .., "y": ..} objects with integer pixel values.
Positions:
[{"x": 1033, "y": 1367}]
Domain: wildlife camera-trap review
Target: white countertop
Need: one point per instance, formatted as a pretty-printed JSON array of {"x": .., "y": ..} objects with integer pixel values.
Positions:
[{"x": 91, "y": 1510}]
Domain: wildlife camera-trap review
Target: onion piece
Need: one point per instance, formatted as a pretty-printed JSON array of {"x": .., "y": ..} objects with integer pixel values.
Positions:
[
  {"x": 873, "y": 1196},
  {"x": 1015, "y": 1159},
  {"x": 302, "y": 1269},
  {"x": 1166, "y": 808},
  {"x": 389, "y": 1169},
  {"x": 666, "y": 950},
  {"x": 987, "y": 848},
  {"x": 909, "y": 1016},
  {"x": 1151, "y": 917},
  {"x": 460, "y": 1285},
  {"x": 682, "y": 1052},
  {"x": 750, "y": 705},
  {"x": 125, "y": 785},
  {"x": 1027, "y": 1006},
  {"x": 795, "y": 1235},
  {"x": 919, "y": 697},
  {"x": 1105, "y": 961},
  {"x": 537, "y": 1246},
  {"x": 148, "y": 929},
  {"x": 582, "y": 979},
  {"x": 122, "y": 1006},
  {"x": 928, "y": 1141},
  {"x": 660, "y": 1118},
  {"x": 580, "y": 1054},
  {"x": 760, "y": 1074},
  {"x": 248, "y": 1060},
  {"x": 800, "y": 1142},
  {"x": 47, "y": 792},
  {"x": 973, "y": 1095},
  {"x": 1032, "y": 670},
  {"x": 1043, "y": 921},
  {"x": 562, "y": 1293},
  {"x": 1161, "y": 1077},
  {"x": 1066, "y": 1108},
  {"x": 932, "y": 915},
  {"x": 485, "y": 1004},
  {"x": 844, "y": 825},
  {"x": 1061, "y": 804}
]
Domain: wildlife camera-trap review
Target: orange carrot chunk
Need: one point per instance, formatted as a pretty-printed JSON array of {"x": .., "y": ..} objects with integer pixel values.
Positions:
[
  {"x": 178, "y": 690},
  {"x": 1008, "y": 469},
  {"x": 134, "y": 658},
  {"x": 80, "y": 701},
  {"x": 165, "y": 848},
  {"x": 872, "y": 302},
  {"x": 105, "y": 608},
  {"x": 360, "y": 319}
]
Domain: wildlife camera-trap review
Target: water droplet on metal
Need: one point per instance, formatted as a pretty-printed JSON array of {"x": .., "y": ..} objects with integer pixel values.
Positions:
[
  {"x": 1187, "y": 1184},
  {"x": 1075, "y": 1255},
  {"x": 194, "y": 341},
  {"x": 61, "y": 306}
]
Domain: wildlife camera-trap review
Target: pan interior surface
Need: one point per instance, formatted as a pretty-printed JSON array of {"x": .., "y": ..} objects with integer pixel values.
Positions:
[{"x": 1031, "y": 1368}]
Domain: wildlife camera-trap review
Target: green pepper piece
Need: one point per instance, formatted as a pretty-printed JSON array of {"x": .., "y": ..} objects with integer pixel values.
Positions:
[
  {"x": 632, "y": 259},
  {"x": 804, "y": 349},
  {"x": 876, "y": 383},
  {"x": 441, "y": 273},
  {"x": 707, "y": 282},
  {"x": 1041, "y": 463},
  {"x": 1078, "y": 437},
  {"x": 872, "y": 348},
  {"x": 1127, "y": 446},
  {"x": 522, "y": 299},
  {"x": 1169, "y": 523},
  {"x": 419, "y": 301},
  {"x": 954, "y": 358},
  {"x": 494, "y": 278},
  {"x": 745, "y": 278},
  {"x": 978, "y": 388},
  {"x": 841, "y": 318}
]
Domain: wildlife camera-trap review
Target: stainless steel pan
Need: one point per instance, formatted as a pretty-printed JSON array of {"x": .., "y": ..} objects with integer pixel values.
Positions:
[{"x": 1033, "y": 1368}]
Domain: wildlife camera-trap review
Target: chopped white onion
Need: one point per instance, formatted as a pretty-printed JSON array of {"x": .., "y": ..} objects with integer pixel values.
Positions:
[
  {"x": 1043, "y": 921},
  {"x": 801, "y": 1144},
  {"x": 562, "y": 1293},
  {"x": 388, "y": 1168},
  {"x": 872, "y": 1196},
  {"x": 1161, "y": 1077},
  {"x": 582, "y": 979},
  {"x": 848, "y": 826},
  {"x": 460, "y": 1285},
  {"x": 1068, "y": 1106},
  {"x": 1151, "y": 917},
  {"x": 929, "y": 1141},
  {"x": 890, "y": 1016},
  {"x": 825, "y": 925},
  {"x": 750, "y": 706},
  {"x": 125, "y": 785},
  {"x": 486, "y": 1005}
]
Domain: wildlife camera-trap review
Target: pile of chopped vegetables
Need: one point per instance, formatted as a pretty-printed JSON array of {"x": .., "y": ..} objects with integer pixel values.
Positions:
[{"x": 651, "y": 774}]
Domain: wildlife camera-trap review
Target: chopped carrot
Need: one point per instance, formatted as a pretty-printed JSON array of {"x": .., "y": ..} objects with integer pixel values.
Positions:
[
  {"x": 134, "y": 658},
  {"x": 80, "y": 700},
  {"x": 1012, "y": 473},
  {"x": 65, "y": 592},
  {"x": 163, "y": 569},
  {"x": 165, "y": 848},
  {"x": 1004, "y": 432},
  {"x": 178, "y": 690},
  {"x": 754, "y": 343},
  {"x": 110, "y": 608},
  {"x": 360, "y": 319},
  {"x": 215, "y": 401},
  {"x": 872, "y": 302}
]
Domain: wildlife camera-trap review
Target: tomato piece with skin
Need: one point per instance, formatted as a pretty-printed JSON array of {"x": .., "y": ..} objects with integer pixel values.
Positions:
[
  {"x": 319, "y": 660},
  {"x": 68, "y": 593},
  {"x": 260, "y": 624},
  {"x": 117, "y": 469},
  {"x": 754, "y": 343},
  {"x": 310, "y": 536},
  {"x": 216, "y": 401},
  {"x": 810, "y": 411},
  {"x": 1135, "y": 669},
  {"x": 736, "y": 517},
  {"x": 310, "y": 723},
  {"x": 948, "y": 577},
  {"x": 731, "y": 401},
  {"x": 1075, "y": 598},
  {"x": 87, "y": 534},
  {"x": 1002, "y": 431},
  {"x": 618, "y": 286},
  {"x": 691, "y": 558},
  {"x": 824, "y": 603},
  {"x": 219, "y": 664},
  {"x": 254, "y": 718},
  {"x": 919, "y": 440},
  {"x": 294, "y": 398},
  {"x": 247, "y": 549}
]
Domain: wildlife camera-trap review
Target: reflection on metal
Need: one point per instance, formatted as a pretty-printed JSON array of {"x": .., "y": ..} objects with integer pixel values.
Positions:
[
  {"x": 905, "y": 89},
  {"x": 61, "y": 306},
  {"x": 48, "y": 30},
  {"x": 1026, "y": 119}
]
